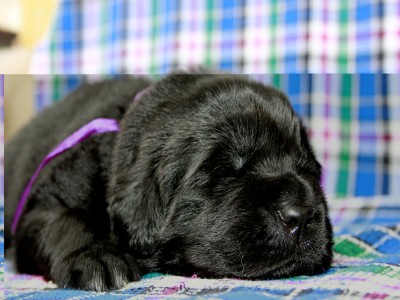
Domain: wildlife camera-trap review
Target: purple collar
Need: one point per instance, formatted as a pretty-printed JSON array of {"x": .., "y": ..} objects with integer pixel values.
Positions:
[
  {"x": 97, "y": 126},
  {"x": 94, "y": 127},
  {"x": 141, "y": 93}
]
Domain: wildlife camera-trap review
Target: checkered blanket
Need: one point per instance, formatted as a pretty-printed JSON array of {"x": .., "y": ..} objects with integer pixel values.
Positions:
[
  {"x": 366, "y": 266},
  {"x": 252, "y": 36}
]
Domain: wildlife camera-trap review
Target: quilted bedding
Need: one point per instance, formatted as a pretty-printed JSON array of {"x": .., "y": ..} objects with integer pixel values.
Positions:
[{"x": 366, "y": 266}]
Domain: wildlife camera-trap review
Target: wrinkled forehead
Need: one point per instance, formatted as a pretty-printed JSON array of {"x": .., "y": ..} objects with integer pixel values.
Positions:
[{"x": 245, "y": 145}]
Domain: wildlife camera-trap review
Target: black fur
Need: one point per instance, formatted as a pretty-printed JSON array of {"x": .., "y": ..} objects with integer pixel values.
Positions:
[{"x": 193, "y": 183}]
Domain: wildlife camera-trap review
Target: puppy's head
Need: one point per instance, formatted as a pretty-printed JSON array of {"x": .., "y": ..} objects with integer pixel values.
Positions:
[
  {"x": 223, "y": 182},
  {"x": 249, "y": 204}
]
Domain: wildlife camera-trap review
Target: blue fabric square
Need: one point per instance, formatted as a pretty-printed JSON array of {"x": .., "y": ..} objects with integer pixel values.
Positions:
[
  {"x": 367, "y": 113},
  {"x": 367, "y": 85},
  {"x": 229, "y": 19},
  {"x": 229, "y": 4},
  {"x": 293, "y": 86},
  {"x": 291, "y": 16},
  {"x": 371, "y": 236},
  {"x": 70, "y": 12},
  {"x": 228, "y": 23},
  {"x": 363, "y": 62},
  {"x": 365, "y": 183},
  {"x": 116, "y": 14},
  {"x": 364, "y": 12},
  {"x": 226, "y": 64},
  {"x": 390, "y": 246},
  {"x": 291, "y": 62},
  {"x": 367, "y": 161},
  {"x": 72, "y": 82},
  {"x": 385, "y": 184}
]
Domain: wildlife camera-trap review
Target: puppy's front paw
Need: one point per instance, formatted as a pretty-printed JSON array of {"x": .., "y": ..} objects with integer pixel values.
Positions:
[{"x": 98, "y": 267}]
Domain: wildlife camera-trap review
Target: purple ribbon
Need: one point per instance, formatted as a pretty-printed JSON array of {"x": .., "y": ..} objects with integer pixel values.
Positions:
[
  {"x": 94, "y": 127},
  {"x": 139, "y": 95},
  {"x": 97, "y": 126}
]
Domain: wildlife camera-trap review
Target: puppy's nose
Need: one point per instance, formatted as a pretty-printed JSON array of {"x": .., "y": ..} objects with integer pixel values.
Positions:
[{"x": 297, "y": 220}]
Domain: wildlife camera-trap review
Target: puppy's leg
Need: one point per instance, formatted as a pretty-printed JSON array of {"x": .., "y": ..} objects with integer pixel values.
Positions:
[
  {"x": 64, "y": 233},
  {"x": 65, "y": 246}
]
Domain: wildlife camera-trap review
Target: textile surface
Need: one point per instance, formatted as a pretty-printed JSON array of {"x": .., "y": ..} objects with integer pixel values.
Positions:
[
  {"x": 366, "y": 266},
  {"x": 252, "y": 36}
]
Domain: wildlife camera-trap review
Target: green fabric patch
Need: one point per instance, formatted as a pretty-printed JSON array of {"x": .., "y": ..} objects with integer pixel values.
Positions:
[
  {"x": 348, "y": 248},
  {"x": 152, "y": 275},
  {"x": 384, "y": 270},
  {"x": 208, "y": 61}
]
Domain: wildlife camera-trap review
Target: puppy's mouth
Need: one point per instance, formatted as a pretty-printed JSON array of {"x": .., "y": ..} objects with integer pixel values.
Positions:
[
  {"x": 296, "y": 259},
  {"x": 258, "y": 273}
]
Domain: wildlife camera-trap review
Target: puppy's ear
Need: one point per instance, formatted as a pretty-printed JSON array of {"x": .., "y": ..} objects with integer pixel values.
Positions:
[{"x": 136, "y": 210}]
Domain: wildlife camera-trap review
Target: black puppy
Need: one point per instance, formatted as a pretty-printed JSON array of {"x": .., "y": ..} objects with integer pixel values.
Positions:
[{"x": 209, "y": 174}]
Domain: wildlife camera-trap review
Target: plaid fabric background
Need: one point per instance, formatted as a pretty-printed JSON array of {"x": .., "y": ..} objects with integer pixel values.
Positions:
[
  {"x": 244, "y": 36},
  {"x": 353, "y": 121}
]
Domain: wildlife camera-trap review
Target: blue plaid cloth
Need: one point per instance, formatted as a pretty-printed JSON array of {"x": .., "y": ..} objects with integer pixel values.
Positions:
[
  {"x": 366, "y": 266},
  {"x": 253, "y": 36}
]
